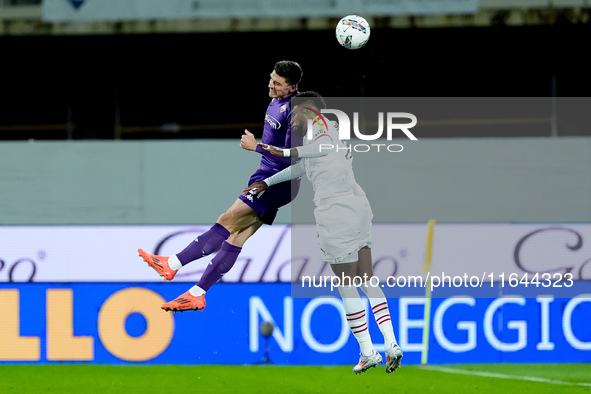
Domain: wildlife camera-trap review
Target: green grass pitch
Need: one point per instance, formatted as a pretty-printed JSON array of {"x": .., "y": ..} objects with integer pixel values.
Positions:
[{"x": 474, "y": 378}]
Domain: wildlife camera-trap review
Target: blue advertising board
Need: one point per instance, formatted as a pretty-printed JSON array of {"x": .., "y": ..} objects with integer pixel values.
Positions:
[{"x": 115, "y": 323}]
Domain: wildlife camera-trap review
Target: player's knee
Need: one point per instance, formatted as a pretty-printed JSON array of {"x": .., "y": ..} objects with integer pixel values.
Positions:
[
  {"x": 372, "y": 289},
  {"x": 226, "y": 219},
  {"x": 236, "y": 239},
  {"x": 237, "y": 220},
  {"x": 223, "y": 217}
]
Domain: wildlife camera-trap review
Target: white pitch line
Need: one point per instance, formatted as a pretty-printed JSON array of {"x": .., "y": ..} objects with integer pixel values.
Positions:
[{"x": 503, "y": 376}]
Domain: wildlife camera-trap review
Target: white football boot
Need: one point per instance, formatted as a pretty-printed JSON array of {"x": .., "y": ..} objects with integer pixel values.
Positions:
[
  {"x": 367, "y": 362},
  {"x": 393, "y": 358}
]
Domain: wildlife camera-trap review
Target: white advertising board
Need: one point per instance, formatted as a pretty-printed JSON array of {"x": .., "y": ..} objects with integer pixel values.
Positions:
[{"x": 109, "y": 253}]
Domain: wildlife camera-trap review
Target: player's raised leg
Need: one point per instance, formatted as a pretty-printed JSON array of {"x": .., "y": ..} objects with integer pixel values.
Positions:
[
  {"x": 238, "y": 217},
  {"x": 203, "y": 245},
  {"x": 381, "y": 312},
  {"x": 225, "y": 259},
  {"x": 194, "y": 298}
]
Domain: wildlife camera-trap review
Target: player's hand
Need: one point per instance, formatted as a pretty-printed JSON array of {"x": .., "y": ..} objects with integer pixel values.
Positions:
[
  {"x": 255, "y": 188},
  {"x": 248, "y": 141},
  {"x": 273, "y": 149}
]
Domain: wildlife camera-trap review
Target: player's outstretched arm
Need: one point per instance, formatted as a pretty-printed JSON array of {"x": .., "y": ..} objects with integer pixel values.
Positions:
[
  {"x": 275, "y": 151},
  {"x": 312, "y": 150},
  {"x": 284, "y": 175},
  {"x": 282, "y": 159}
]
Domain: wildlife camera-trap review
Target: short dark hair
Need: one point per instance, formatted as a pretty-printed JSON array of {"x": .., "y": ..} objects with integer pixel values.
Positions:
[
  {"x": 291, "y": 71},
  {"x": 312, "y": 97}
]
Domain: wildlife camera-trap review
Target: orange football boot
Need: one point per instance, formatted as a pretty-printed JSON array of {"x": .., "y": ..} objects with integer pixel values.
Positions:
[
  {"x": 185, "y": 302},
  {"x": 159, "y": 263}
]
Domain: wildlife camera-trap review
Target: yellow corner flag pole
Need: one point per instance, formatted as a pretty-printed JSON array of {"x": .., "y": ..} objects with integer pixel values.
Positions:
[{"x": 427, "y": 310}]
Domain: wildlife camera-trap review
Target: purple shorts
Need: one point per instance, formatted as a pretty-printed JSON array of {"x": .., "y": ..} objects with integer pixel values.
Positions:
[{"x": 267, "y": 205}]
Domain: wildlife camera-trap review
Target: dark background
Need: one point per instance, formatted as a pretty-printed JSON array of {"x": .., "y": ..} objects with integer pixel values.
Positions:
[{"x": 203, "y": 80}]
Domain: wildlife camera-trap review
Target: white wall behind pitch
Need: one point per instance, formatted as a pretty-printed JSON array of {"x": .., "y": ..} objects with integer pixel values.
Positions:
[{"x": 194, "y": 181}]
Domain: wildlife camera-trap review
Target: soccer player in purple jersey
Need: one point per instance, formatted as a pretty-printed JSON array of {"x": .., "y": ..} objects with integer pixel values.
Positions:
[{"x": 247, "y": 214}]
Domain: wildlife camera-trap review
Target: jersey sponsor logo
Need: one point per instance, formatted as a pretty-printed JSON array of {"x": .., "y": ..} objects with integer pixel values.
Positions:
[{"x": 274, "y": 123}]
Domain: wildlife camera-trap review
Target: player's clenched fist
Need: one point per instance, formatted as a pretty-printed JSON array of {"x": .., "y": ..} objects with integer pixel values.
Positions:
[{"x": 248, "y": 141}]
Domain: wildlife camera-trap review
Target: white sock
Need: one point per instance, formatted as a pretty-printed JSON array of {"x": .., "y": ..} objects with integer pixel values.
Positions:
[
  {"x": 355, "y": 313},
  {"x": 196, "y": 291},
  {"x": 174, "y": 263},
  {"x": 379, "y": 307}
]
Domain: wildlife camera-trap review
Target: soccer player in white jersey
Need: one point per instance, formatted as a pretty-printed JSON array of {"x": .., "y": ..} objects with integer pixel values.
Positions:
[{"x": 343, "y": 222}]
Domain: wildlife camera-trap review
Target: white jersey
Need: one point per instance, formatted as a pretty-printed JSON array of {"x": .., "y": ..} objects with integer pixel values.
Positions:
[
  {"x": 331, "y": 174},
  {"x": 343, "y": 214}
]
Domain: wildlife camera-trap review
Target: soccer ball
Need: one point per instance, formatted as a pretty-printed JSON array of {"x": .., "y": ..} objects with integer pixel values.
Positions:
[{"x": 352, "y": 32}]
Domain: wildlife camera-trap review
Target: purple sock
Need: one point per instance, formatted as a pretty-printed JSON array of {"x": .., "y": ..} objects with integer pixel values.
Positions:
[
  {"x": 205, "y": 244},
  {"x": 220, "y": 264}
]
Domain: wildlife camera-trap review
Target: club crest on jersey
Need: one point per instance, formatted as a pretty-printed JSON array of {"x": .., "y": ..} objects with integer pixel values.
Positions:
[
  {"x": 283, "y": 108},
  {"x": 274, "y": 123},
  {"x": 318, "y": 119}
]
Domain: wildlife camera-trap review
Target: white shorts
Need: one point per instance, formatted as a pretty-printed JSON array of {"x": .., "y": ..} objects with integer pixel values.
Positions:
[{"x": 343, "y": 224}]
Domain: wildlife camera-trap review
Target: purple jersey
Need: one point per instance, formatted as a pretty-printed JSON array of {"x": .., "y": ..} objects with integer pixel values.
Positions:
[{"x": 277, "y": 132}]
